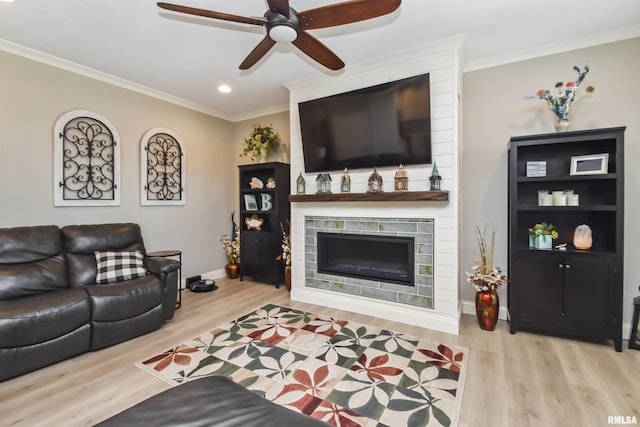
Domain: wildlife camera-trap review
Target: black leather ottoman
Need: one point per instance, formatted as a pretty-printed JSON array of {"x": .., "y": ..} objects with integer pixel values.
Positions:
[{"x": 210, "y": 401}]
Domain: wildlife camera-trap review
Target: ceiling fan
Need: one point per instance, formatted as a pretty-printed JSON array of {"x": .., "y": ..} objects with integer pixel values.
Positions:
[{"x": 285, "y": 24}]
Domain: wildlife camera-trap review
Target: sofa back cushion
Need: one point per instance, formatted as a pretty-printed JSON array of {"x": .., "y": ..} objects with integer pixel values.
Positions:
[
  {"x": 82, "y": 241},
  {"x": 31, "y": 261}
]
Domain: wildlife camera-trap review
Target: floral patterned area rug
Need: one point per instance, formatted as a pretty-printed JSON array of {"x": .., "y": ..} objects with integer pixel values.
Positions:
[{"x": 345, "y": 373}]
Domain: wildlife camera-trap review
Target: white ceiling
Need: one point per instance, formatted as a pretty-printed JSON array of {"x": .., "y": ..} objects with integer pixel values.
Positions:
[{"x": 188, "y": 57}]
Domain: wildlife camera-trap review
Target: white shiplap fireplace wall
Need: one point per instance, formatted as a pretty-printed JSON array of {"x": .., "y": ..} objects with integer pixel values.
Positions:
[{"x": 442, "y": 61}]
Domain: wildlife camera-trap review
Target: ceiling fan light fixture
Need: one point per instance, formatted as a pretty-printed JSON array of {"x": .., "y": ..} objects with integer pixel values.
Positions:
[{"x": 283, "y": 33}]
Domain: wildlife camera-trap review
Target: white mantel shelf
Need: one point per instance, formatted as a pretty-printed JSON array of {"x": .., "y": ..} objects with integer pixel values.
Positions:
[{"x": 394, "y": 196}]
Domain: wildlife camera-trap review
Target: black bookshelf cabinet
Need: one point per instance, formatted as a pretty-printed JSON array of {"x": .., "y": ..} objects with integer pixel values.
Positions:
[
  {"x": 570, "y": 292},
  {"x": 259, "y": 247}
]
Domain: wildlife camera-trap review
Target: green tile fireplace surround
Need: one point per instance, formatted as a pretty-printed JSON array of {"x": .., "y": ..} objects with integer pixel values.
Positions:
[{"x": 420, "y": 295}]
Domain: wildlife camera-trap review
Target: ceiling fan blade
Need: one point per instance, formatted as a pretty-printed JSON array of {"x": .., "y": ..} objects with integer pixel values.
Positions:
[
  {"x": 345, "y": 13},
  {"x": 279, "y": 6},
  {"x": 212, "y": 14},
  {"x": 257, "y": 53},
  {"x": 312, "y": 47}
]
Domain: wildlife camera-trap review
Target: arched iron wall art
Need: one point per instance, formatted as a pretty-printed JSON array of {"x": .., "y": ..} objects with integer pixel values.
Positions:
[
  {"x": 162, "y": 168},
  {"x": 86, "y": 160}
]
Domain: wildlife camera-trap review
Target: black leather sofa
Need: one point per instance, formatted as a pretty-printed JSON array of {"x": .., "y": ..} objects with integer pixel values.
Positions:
[{"x": 51, "y": 307}]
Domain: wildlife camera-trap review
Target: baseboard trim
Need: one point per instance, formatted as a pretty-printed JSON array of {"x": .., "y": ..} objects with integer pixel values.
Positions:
[{"x": 469, "y": 307}]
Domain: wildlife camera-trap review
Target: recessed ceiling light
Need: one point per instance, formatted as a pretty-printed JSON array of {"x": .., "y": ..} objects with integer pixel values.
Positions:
[{"x": 224, "y": 88}]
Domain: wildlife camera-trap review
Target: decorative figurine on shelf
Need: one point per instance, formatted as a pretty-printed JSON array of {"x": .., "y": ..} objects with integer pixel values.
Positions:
[
  {"x": 401, "y": 179},
  {"x": 375, "y": 182},
  {"x": 254, "y": 222},
  {"x": 434, "y": 179},
  {"x": 271, "y": 183},
  {"x": 300, "y": 184},
  {"x": 345, "y": 182},
  {"x": 256, "y": 183},
  {"x": 323, "y": 183}
]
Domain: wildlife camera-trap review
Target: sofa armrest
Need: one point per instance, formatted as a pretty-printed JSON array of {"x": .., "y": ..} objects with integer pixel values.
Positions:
[
  {"x": 166, "y": 269},
  {"x": 159, "y": 266}
]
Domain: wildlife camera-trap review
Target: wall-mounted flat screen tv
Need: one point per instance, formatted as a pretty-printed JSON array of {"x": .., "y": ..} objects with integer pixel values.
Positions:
[{"x": 384, "y": 125}]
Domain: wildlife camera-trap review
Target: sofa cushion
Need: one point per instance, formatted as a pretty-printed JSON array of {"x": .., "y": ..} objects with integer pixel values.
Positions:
[
  {"x": 31, "y": 261},
  {"x": 82, "y": 241},
  {"x": 31, "y": 278},
  {"x": 29, "y": 244},
  {"x": 44, "y": 317},
  {"x": 124, "y": 300},
  {"x": 119, "y": 266}
]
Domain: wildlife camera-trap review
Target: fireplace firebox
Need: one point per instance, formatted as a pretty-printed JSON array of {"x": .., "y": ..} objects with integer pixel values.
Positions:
[{"x": 380, "y": 258}]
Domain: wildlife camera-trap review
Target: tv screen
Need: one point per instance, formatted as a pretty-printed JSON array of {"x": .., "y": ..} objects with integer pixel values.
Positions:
[{"x": 378, "y": 126}]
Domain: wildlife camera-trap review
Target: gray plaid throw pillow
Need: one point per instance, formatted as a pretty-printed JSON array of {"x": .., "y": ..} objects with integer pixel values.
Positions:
[{"x": 119, "y": 266}]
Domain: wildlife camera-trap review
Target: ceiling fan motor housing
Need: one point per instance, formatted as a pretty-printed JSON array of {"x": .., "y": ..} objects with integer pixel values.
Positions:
[{"x": 282, "y": 29}]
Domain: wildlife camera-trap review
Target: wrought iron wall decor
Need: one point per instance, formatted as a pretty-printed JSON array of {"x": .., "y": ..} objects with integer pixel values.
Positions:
[
  {"x": 162, "y": 168},
  {"x": 86, "y": 160}
]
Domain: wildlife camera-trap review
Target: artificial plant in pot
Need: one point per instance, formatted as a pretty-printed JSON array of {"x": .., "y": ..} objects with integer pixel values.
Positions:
[
  {"x": 486, "y": 278},
  {"x": 231, "y": 246},
  {"x": 542, "y": 235},
  {"x": 261, "y": 142},
  {"x": 285, "y": 256}
]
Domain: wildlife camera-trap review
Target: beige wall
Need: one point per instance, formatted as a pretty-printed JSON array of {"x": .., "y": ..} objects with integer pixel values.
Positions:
[
  {"x": 34, "y": 95},
  {"x": 494, "y": 110}
]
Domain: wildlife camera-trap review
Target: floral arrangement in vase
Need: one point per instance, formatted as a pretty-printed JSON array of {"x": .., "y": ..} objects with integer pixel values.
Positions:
[
  {"x": 285, "y": 256},
  {"x": 484, "y": 275},
  {"x": 560, "y": 102},
  {"x": 286, "y": 247},
  {"x": 261, "y": 142},
  {"x": 542, "y": 235},
  {"x": 231, "y": 247}
]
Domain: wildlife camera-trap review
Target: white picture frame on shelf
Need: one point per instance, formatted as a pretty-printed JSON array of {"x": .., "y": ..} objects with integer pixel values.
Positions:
[
  {"x": 592, "y": 164},
  {"x": 250, "y": 202},
  {"x": 536, "y": 169}
]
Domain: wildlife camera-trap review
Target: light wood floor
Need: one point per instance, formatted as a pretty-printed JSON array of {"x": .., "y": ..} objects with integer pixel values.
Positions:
[{"x": 524, "y": 379}]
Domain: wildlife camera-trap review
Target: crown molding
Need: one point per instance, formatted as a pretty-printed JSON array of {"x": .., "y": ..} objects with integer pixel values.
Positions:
[
  {"x": 260, "y": 113},
  {"x": 82, "y": 70},
  {"x": 553, "y": 48}
]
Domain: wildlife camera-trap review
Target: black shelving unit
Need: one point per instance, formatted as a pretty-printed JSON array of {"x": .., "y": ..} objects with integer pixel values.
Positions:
[
  {"x": 571, "y": 292},
  {"x": 260, "y": 247}
]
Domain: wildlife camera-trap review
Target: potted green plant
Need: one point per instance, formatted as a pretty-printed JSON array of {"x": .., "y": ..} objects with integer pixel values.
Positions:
[
  {"x": 542, "y": 235},
  {"x": 261, "y": 142}
]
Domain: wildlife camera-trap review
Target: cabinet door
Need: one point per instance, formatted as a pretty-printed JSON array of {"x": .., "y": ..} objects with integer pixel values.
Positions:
[
  {"x": 252, "y": 246},
  {"x": 587, "y": 284},
  {"x": 538, "y": 288},
  {"x": 259, "y": 252}
]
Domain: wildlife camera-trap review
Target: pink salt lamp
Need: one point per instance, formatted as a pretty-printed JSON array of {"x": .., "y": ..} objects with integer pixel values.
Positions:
[{"x": 582, "y": 237}]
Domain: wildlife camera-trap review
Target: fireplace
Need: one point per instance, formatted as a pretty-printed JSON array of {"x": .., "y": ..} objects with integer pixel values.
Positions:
[
  {"x": 341, "y": 237},
  {"x": 384, "y": 258},
  {"x": 434, "y": 301}
]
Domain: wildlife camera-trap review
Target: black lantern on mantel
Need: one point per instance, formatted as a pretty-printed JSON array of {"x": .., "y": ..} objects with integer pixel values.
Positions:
[
  {"x": 323, "y": 183},
  {"x": 375, "y": 182},
  {"x": 435, "y": 179}
]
